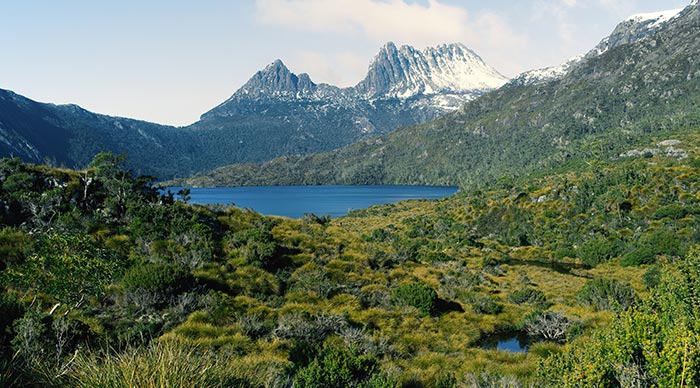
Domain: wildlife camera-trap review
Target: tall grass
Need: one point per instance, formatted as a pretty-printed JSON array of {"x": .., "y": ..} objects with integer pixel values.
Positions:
[{"x": 170, "y": 365}]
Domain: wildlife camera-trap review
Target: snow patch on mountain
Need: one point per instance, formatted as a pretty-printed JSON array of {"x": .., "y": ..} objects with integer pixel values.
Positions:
[
  {"x": 406, "y": 72},
  {"x": 414, "y": 77},
  {"x": 656, "y": 18},
  {"x": 630, "y": 30}
]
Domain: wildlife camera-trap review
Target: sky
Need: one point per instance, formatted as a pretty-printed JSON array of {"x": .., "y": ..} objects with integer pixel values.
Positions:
[{"x": 169, "y": 61}]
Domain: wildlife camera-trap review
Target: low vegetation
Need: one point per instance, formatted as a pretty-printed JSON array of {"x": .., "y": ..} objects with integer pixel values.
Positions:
[{"x": 105, "y": 281}]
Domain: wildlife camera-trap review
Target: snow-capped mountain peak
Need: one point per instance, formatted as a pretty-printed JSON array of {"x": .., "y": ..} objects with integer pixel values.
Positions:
[
  {"x": 630, "y": 30},
  {"x": 276, "y": 80},
  {"x": 406, "y": 72}
]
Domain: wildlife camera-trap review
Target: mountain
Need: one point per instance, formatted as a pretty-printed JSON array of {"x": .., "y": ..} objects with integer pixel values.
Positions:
[
  {"x": 275, "y": 113},
  {"x": 627, "y": 95},
  {"x": 296, "y": 116},
  {"x": 69, "y": 135},
  {"x": 630, "y": 30},
  {"x": 406, "y": 72}
]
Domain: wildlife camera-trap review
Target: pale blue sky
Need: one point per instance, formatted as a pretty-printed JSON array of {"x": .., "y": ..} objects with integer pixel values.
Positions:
[{"x": 169, "y": 61}]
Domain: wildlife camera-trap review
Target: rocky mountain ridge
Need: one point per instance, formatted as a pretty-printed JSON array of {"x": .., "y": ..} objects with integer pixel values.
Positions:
[{"x": 275, "y": 113}]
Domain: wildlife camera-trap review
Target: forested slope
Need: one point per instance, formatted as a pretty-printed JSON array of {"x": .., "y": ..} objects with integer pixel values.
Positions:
[{"x": 604, "y": 106}]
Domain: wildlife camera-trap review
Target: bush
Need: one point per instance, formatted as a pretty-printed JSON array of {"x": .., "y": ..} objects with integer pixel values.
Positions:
[
  {"x": 159, "y": 279},
  {"x": 664, "y": 242},
  {"x": 598, "y": 250},
  {"x": 641, "y": 255},
  {"x": 485, "y": 304},
  {"x": 550, "y": 325},
  {"x": 607, "y": 294},
  {"x": 652, "y": 277},
  {"x": 529, "y": 296},
  {"x": 673, "y": 211},
  {"x": 418, "y": 295},
  {"x": 337, "y": 367}
]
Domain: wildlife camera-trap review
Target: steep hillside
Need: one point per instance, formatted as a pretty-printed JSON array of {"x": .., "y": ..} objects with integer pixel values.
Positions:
[
  {"x": 275, "y": 113},
  {"x": 603, "y": 105},
  {"x": 69, "y": 135}
]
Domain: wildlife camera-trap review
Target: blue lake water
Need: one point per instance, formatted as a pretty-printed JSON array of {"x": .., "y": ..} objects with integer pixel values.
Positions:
[
  {"x": 516, "y": 342},
  {"x": 294, "y": 201}
]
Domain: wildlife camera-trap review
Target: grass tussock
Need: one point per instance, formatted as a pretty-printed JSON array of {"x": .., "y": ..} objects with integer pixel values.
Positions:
[{"x": 165, "y": 365}]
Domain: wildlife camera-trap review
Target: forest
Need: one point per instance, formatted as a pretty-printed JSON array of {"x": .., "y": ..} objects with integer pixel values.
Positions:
[{"x": 108, "y": 281}]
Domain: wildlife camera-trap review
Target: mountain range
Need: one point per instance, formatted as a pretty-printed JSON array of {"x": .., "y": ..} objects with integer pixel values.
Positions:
[
  {"x": 294, "y": 115},
  {"x": 640, "y": 85}
]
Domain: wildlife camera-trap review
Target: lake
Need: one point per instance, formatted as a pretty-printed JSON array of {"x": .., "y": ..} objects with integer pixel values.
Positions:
[{"x": 294, "y": 201}]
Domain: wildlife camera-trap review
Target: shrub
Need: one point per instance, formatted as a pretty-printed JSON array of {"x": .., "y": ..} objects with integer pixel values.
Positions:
[
  {"x": 528, "y": 295},
  {"x": 337, "y": 367},
  {"x": 652, "y": 277},
  {"x": 485, "y": 304},
  {"x": 607, "y": 294},
  {"x": 598, "y": 250},
  {"x": 309, "y": 329},
  {"x": 673, "y": 211},
  {"x": 159, "y": 279},
  {"x": 550, "y": 325},
  {"x": 664, "y": 242},
  {"x": 562, "y": 253},
  {"x": 640, "y": 255},
  {"x": 416, "y": 294}
]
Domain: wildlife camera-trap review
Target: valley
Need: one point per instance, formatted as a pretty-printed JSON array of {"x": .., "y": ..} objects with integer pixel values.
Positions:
[{"x": 567, "y": 258}]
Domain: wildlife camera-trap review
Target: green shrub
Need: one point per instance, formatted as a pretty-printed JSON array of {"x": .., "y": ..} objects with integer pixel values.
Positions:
[
  {"x": 562, "y": 253},
  {"x": 652, "y": 277},
  {"x": 607, "y": 294},
  {"x": 673, "y": 211},
  {"x": 157, "y": 278},
  {"x": 418, "y": 295},
  {"x": 528, "y": 295},
  {"x": 664, "y": 242},
  {"x": 485, "y": 304},
  {"x": 640, "y": 255},
  {"x": 336, "y": 367},
  {"x": 598, "y": 250}
]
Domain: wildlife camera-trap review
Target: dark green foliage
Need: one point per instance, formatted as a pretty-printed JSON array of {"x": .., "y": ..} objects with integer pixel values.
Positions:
[
  {"x": 485, "y": 304},
  {"x": 652, "y": 277},
  {"x": 10, "y": 310},
  {"x": 664, "y": 242},
  {"x": 607, "y": 294},
  {"x": 14, "y": 247},
  {"x": 528, "y": 295},
  {"x": 658, "y": 242},
  {"x": 69, "y": 268},
  {"x": 643, "y": 254},
  {"x": 337, "y": 366},
  {"x": 673, "y": 211},
  {"x": 416, "y": 294},
  {"x": 158, "y": 278},
  {"x": 598, "y": 250}
]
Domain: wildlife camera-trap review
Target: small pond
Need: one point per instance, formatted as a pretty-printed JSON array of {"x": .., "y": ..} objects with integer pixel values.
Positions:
[{"x": 516, "y": 342}]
